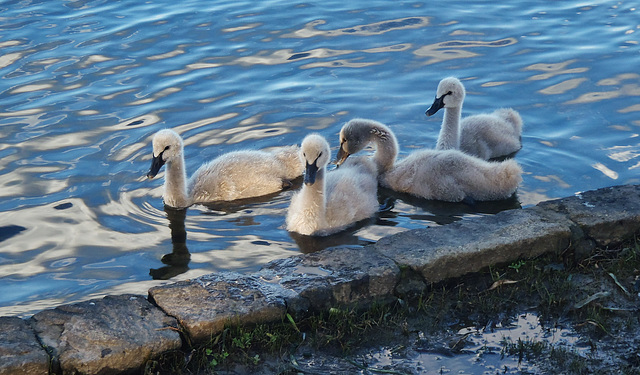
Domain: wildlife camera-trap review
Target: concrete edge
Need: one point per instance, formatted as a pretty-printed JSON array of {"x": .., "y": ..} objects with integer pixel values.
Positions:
[{"x": 396, "y": 265}]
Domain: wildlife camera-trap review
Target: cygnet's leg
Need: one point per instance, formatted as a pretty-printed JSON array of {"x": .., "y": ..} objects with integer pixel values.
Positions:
[{"x": 387, "y": 205}]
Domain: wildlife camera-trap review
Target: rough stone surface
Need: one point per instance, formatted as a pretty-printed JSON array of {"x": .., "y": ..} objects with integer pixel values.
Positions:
[
  {"x": 204, "y": 305},
  {"x": 469, "y": 245},
  {"x": 20, "y": 351},
  {"x": 340, "y": 276},
  {"x": 111, "y": 335},
  {"x": 607, "y": 216}
]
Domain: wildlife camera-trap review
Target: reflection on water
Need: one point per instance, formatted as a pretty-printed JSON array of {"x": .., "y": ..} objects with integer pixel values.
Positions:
[
  {"x": 447, "y": 212},
  {"x": 177, "y": 261},
  {"x": 457, "y": 49},
  {"x": 85, "y": 85},
  {"x": 349, "y": 237},
  {"x": 311, "y": 29}
]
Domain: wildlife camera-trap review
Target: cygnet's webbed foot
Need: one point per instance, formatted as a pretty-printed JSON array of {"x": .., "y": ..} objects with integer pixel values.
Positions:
[{"x": 387, "y": 205}]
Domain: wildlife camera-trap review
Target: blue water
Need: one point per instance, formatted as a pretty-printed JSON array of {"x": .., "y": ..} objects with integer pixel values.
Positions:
[{"x": 85, "y": 84}]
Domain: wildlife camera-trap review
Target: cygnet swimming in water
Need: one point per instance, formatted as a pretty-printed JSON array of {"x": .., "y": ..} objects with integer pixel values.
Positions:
[
  {"x": 486, "y": 136},
  {"x": 231, "y": 176},
  {"x": 329, "y": 202},
  {"x": 447, "y": 175}
]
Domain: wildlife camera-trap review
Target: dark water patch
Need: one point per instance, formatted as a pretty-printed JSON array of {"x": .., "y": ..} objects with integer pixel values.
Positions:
[
  {"x": 299, "y": 56},
  {"x": 63, "y": 206},
  {"x": 9, "y": 231},
  {"x": 261, "y": 243},
  {"x": 444, "y": 212},
  {"x": 137, "y": 122}
]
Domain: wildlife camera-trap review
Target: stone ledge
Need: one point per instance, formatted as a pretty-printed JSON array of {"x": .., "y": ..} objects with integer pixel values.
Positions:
[
  {"x": 20, "y": 350},
  {"x": 607, "y": 216},
  {"x": 470, "y": 245},
  {"x": 111, "y": 335},
  {"x": 119, "y": 333},
  {"x": 340, "y": 276},
  {"x": 204, "y": 305}
]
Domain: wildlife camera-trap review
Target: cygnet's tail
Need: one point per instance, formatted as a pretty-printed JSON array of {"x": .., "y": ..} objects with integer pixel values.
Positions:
[
  {"x": 289, "y": 156},
  {"x": 512, "y": 117},
  {"x": 509, "y": 176},
  {"x": 502, "y": 178}
]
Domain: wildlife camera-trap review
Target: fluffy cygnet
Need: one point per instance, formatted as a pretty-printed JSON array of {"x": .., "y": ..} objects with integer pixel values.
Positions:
[
  {"x": 448, "y": 175},
  {"x": 231, "y": 176},
  {"x": 486, "y": 136},
  {"x": 329, "y": 202}
]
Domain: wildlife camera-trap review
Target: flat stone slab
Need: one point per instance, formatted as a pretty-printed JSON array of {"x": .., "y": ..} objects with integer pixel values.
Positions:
[
  {"x": 340, "y": 276},
  {"x": 204, "y": 305},
  {"x": 20, "y": 351},
  {"x": 466, "y": 246},
  {"x": 608, "y": 216},
  {"x": 111, "y": 335}
]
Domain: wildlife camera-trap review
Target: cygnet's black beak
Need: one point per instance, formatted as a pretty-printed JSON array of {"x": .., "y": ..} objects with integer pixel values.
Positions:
[
  {"x": 156, "y": 163},
  {"x": 342, "y": 156},
  {"x": 436, "y": 106},
  {"x": 310, "y": 172}
]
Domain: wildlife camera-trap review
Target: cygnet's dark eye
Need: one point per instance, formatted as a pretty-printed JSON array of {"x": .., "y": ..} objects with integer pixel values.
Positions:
[
  {"x": 320, "y": 154},
  {"x": 166, "y": 148},
  {"x": 450, "y": 92}
]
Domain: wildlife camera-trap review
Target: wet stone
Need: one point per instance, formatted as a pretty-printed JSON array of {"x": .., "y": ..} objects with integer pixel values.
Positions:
[
  {"x": 20, "y": 350},
  {"x": 204, "y": 305},
  {"x": 112, "y": 335},
  {"x": 608, "y": 216},
  {"x": 333, "y": 277},
  {"x": 468, "y": 246}
]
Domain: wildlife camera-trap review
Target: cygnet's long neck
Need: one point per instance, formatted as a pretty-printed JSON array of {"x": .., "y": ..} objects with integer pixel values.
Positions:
[
  {"x": 386, "y": 147},
  {"x": 175, "y": 184},
  {"x": 314, "y": 198},
  {"x": 449, "y": 137}
]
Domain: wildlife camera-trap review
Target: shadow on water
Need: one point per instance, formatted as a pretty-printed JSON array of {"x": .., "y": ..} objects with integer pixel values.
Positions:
[
  {"x": 441, "y": 212},
  {"x": 311, "y": 244},
  {"x": 177, "y": 261}
]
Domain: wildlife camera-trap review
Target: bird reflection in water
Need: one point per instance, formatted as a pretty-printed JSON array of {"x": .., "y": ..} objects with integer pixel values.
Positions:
[
  {"x": 177, "y": 261},
  {"x": 441, "y": 212}
]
